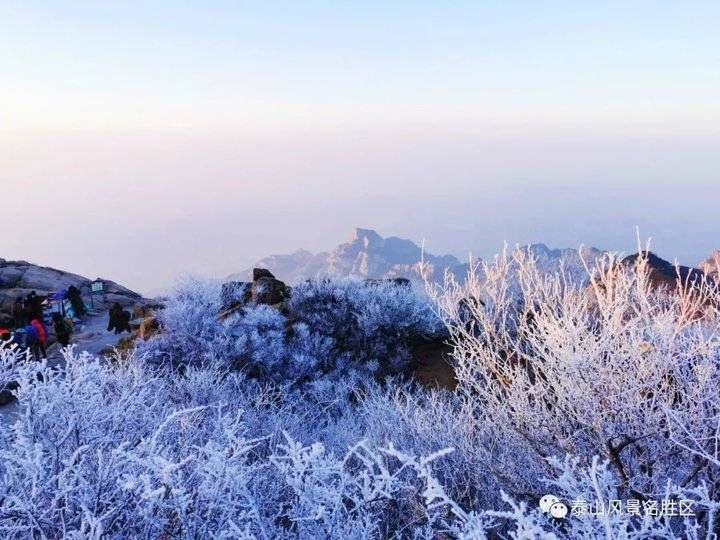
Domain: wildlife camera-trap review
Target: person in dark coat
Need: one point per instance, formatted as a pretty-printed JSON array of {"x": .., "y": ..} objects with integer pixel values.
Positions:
[
  {"x": 62, "y": 329},
  {"x": 76, "y": 300},
  {"x": 119, "y": 319},
  {"x": 125, "y": 321},
  {"x": 35, "y": 306},
  {"x": 19, "y": 313},
  {"x": 114, "y": 312}
]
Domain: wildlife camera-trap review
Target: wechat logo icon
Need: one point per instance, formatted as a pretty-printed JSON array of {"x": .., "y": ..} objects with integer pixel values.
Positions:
[{"x": 550, "y": 504}]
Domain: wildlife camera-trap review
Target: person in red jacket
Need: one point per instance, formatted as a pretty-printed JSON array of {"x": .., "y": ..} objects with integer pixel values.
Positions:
[{"x": 39, "y": 346}]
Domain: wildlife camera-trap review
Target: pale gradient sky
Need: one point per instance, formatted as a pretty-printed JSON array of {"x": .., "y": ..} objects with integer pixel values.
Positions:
[{"x": 143, "y": 140}]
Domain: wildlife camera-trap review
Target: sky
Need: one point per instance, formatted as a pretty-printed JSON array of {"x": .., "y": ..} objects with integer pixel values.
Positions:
[{"x": 143, "y": 141}]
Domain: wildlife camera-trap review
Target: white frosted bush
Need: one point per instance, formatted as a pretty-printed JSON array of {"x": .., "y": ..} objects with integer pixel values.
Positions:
[
  {"x": 128, "y": 451},
  {"x": 371, "y": 324},
  {"x": 331, "y": 328},
  {"x": 191, "y": 333},
  {"x": 103, "y": 451},
  {"x": 621, "y": 368},
  {"x": 10, "y": 359}
]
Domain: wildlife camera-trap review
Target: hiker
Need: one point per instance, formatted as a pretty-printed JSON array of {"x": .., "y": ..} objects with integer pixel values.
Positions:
[
  {"x": 41, "y": 334},
  {"x": 35, "y": 337},
  {"x": 119, "y": 319},
  {"x": 20, "y": 313},
  {"x": 62, "y": 329},
  {"x": 73, "y": 294},
  {"x": 33, "y": 306},
  {"x": 114, "y": 313}
]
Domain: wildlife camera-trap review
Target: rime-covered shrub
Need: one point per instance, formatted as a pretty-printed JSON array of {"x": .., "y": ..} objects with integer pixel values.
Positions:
[
  {"x": 192, "y": 333},
  {"x": 371, "y": 323},
  {"x": 621, "y": 368},
  {"x": 126, "y": 451},
  {"x": 330, "y": 329},
  {"x": 130, "y": 450},
  {"x": 10, "y": 358}
]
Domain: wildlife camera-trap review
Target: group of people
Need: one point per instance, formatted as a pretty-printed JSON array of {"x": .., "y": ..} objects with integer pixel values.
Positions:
[
  {"x": 27, "y": 309},
  {"x": 27, "y": 320},
  {"x": 36, "y": 335},
  {"x": 29, "y": 323},
  {"x": 30, "y": 329}
]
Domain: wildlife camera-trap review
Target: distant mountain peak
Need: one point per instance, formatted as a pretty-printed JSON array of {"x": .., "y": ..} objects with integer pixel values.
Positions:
[
  {"x": 366, "y": 255},
  {"x": 367, "y": 236}
]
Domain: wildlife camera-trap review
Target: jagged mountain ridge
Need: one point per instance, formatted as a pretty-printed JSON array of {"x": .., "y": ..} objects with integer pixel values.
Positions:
[{"x": 367, "y": 255}]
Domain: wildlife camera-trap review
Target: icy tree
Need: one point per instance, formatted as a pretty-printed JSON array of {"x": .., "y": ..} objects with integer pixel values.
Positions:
[
  {"x": 559, "y": 368},
  {"x": 10, "y": 359}
]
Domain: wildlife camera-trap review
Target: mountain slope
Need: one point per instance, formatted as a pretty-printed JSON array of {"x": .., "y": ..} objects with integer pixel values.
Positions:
[{"x": 665, "y": 272}]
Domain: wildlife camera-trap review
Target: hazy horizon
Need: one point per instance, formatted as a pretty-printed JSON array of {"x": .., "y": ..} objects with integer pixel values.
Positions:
[{"x": 139, "y": 143}]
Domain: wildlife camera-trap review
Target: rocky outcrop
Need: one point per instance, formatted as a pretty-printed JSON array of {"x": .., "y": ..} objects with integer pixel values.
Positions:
[
  {"x": 264, "y": 288},
  {"x": 19, "y": 278}
]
